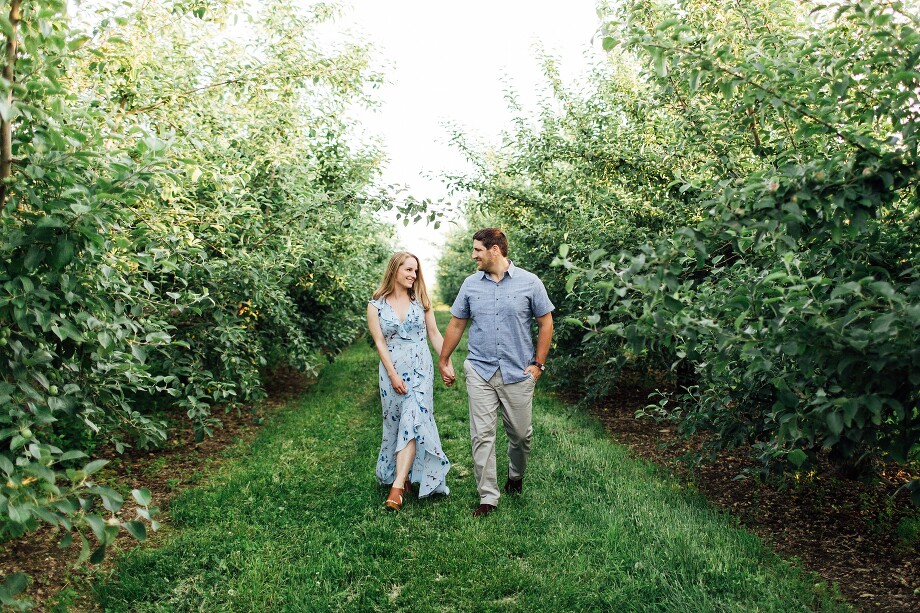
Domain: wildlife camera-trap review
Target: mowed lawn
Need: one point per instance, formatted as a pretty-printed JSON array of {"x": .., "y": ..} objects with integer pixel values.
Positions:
[{"x": 297, "y": 523}]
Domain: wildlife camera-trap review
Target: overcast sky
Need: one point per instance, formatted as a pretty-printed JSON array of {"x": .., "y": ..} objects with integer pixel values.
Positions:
[{"x": 450, "y": 62}]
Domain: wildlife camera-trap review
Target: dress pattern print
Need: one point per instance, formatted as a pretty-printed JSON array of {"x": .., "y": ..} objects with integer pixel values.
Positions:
[{"x": 409, "y": 416}]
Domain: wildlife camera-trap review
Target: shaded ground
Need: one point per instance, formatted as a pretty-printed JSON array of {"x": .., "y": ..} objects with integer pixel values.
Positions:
[
  {"x": 54, "y": 584},
  {"x": 844, "y": 530}
]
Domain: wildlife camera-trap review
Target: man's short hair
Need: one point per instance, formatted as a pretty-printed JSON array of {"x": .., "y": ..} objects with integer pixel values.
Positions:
[{"x": 489, "y": 237}]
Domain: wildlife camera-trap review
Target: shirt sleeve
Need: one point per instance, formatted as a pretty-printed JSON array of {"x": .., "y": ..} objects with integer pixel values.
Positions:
[
  {"x": 461, "y": 307},
  {"x": 541, "y": 302}
]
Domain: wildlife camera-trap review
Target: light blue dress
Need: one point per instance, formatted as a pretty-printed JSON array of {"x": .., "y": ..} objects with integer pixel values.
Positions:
[{"x": 410, "y": 415}]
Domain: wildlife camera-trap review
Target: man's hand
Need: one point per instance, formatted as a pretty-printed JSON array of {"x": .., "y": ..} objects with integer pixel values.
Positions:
[
  {"x": 447, "y": 372},
  {"x": 534, "y": 372},
  {"x": 452, "y": 334}
]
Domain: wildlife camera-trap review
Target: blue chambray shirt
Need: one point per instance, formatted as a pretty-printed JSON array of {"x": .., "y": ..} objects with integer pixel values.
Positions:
[{"x": 501, "y": 313}]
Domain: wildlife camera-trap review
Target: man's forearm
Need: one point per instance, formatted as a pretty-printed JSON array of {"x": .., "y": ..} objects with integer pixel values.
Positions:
[
  {"x": 544, "y": 337},
  {"x": 452, "y": 336}
]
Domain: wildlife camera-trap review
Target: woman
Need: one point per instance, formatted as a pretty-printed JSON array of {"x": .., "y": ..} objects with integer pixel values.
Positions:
[{"x": 399, "y": 317}]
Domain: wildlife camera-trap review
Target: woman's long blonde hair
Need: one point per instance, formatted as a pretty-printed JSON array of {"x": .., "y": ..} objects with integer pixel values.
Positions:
[{"x": 388, "y": 283}]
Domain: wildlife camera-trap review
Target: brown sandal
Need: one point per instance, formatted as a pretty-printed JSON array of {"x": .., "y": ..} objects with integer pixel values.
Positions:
[{"x": 395, "y": 498}]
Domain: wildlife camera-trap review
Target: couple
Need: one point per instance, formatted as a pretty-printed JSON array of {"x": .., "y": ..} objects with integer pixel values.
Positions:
[{"x": 501, "y": 369}]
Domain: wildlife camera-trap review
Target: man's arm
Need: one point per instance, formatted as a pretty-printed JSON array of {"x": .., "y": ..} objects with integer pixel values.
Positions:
[
  {"x": 452, "y": 336},
  {"x": 544, "y": 339}
]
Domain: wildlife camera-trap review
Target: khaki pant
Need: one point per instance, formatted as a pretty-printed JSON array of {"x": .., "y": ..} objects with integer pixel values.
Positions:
[{"x": 516, "y": 402}]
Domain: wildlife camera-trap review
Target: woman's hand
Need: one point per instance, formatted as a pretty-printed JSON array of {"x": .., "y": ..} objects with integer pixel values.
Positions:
[
  {"x": 399, "y": 386},
  {"x": 447, "y": 373}
]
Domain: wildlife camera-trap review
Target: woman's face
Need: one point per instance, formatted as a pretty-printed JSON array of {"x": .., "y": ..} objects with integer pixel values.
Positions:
[{"x": 407, "y": 273}]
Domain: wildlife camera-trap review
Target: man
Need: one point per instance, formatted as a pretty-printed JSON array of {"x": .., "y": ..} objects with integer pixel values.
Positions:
[{"x": 502, "y": 368}]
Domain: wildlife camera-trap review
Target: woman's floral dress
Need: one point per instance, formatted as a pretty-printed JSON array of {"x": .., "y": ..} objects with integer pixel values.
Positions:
[{"x": 408, "y": 416}]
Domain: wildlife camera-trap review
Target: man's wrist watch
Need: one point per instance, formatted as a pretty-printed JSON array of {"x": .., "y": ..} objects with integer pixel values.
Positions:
[{"x": 542, "y": 367}]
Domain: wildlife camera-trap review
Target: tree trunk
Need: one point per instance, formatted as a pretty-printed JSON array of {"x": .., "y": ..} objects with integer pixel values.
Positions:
[{"x": 6, "y": 128}]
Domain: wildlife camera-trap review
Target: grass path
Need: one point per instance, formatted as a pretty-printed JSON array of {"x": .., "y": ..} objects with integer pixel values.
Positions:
[{"x": 297, "y": 524}]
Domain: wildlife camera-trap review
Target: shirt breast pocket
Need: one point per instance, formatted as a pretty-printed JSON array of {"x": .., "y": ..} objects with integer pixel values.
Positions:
[
  {"x": 519, "y": 305},
  {"x": 476, "y": 306}
]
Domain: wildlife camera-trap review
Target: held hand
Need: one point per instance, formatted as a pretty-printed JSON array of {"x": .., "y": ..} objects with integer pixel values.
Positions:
[
  {"x": 534, "y": 372},
  {"x": 399, "y": 386},
  {"x": 447, "y": 373}
]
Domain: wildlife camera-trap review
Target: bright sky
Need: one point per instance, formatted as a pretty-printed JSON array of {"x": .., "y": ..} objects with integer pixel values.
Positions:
[{"x": 451, "y": 63}]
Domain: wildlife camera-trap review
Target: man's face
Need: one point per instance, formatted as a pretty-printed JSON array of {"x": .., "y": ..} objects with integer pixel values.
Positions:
[{"x": 484, "y": 257}]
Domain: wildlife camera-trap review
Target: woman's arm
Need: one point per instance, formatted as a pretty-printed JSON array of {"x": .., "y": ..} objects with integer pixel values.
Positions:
[
  {"x": 434, "y": 335},
  {"x": 373, "y": 325}
]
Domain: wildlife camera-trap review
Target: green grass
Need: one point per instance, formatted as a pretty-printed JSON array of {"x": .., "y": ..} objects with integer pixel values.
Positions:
[{"x": 298, "y": 524}]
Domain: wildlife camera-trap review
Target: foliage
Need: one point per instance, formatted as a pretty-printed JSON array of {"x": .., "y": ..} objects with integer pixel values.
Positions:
[
  {"x": 780, "y": 143},
  {"x": 455, "y": 262},
  {"x": 595, "y": 172},
  {"x": 186, "y": 208}
]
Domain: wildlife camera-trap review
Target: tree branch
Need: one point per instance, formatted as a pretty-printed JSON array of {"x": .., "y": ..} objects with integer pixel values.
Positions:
[{"x": 6, "y": 127}]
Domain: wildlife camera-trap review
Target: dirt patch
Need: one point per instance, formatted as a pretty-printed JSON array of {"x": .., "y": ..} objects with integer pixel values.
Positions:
[
  {"x": 843, "y": 529},
  {"x": 54, "y": 583}
]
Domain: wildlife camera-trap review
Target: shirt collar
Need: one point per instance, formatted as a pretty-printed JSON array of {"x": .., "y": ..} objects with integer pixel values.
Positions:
[{"x": 510, "y": 271}]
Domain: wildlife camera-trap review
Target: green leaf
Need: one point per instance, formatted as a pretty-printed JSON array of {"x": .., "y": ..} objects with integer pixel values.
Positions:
[
  {"x": 608, "y": 43},
  {"x": 94, "y": 466},
  {"x": 40, "y": 471},
  {"x": 111, "y": 499},
  {"x": 666, "y": 24},
  {"x": 84, "y": 550},
  {"x": 596, "y": 254},
  {"x": 158, "y": 337},
  {"x": 72, "y": 455},
  {"x": 12, "y": 586},
  {"x": 142, "y": 497},
  {"x": 97, "y": 524},
  {"x": 570, "y": 282},
  {"x": 835, "y": 423},
  {"x": 19, "y": 514},
  {"x": 136, "y": 529},
  {"x": 98, "y": 555},
  {"x": 34, "y": 257},
  {"x": 797, "y": 457},
  {"x": 62, "y": 253},
  {"x": 46, "y": 516},
  {"x": 673, "y": 304},
  {"x": 563, "y": 250},
  {"x": 6, "y": 466},
  {"x": 77, "y": 42},
  {"x": 104, "y": 338},
  {"x": 661, "y": 64}
]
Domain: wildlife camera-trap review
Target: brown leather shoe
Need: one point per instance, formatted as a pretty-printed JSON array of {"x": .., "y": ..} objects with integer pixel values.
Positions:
[
  {"x": 395, "y": 499},
  {"x": 484, "y": 509},
  {"x": 514, "y": 486},
  {"x": 407, "y": 487}
]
